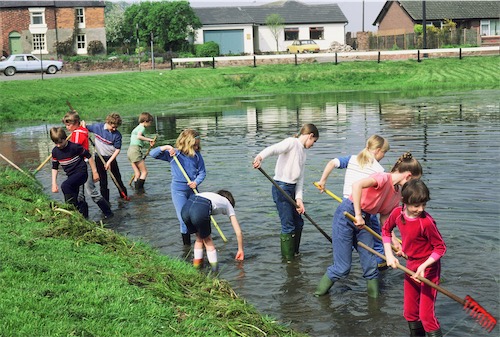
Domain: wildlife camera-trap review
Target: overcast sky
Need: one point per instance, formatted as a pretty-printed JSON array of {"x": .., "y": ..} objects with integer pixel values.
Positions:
[{"x": 352, "y": 9}]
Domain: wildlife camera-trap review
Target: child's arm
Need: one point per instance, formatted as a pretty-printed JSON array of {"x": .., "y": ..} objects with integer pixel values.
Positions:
[
  {"x": 332, "y": 164},
  {"x": 202, "y": 173},
  {"x": 357, "y": 189},
  {"x": 421, "y": 269},
  {"x": 113, "y": 156},
  {"x": 240, "y": 255},
  {"x": 95, "y": 174},
  {"x": 140, "y": 136},
  {"x": 159, "y": 153},
  {"x": 55, "y": 188}
]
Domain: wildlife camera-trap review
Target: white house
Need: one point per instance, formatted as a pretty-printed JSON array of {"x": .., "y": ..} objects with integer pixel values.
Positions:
[{"x": 243, "y": 30}]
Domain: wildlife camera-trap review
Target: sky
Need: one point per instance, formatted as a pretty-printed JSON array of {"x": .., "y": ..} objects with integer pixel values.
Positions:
[{"x": 352, "y": 9}]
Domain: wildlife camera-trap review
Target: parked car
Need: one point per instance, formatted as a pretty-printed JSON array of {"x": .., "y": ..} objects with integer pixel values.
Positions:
[
  {"x": 303, "y": 46},
  {"x": 23, "y": 63}
]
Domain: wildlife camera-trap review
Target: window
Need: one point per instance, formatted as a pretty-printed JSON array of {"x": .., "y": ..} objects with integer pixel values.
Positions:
[
  {"x": 37, "y": 16},
  {"x": 490, "y": 27},
  {"x": 316, "y": 33},
  {"x": 81, "y": 44},
  {"x": 80, "y": 17},
  {"x": 39, "y": 42},
  {"x": 291, "y": 34}
]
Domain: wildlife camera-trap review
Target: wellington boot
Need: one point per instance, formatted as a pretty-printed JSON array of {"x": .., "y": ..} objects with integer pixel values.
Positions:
[
  {"x": 324, "y": 286},
  {"x": 105, "y": 194},
  {"x": 186, "y": 239},
  {"x": 214, "y": 267},
  {"x": 298, "y": 236},
  {"x": 83, "y": 208},
  {"x": 372, "y": 288},
  {"x": 416, "y": 329},
  {"x": 198, "y": 263},
  {"x": 139, "y": 185},
  {"x": 71, "y": 199},
  {"x": 105, "y": 208},
  {"x": 435, "y": 333},
  {"x": 287, "y": 246}
]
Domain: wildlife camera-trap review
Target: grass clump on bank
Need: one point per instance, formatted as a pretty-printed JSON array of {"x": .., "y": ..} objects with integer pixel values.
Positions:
[
  {"x": 96, "y": 96},
  {"x": 61, "y": 275}
]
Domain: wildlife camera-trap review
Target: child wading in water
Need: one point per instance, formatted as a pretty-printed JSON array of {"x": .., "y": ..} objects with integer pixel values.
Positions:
[
  {"x": 71, "y": 157},
  {"x": 359, "y": 167},
  {"x": 80, "y": 135},
  {"x": 196, "y": 215},
  {"x": 135, "y": 151},
  {"x": 423, "y": 246},
  {"x": 379, "y": 193},
  {"x": 289, "y": 175},
  {"x": 187, "y": 150}
]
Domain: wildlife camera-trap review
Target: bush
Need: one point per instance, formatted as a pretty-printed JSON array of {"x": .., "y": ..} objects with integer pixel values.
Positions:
[
  {"x": 65, "y": 47},
  {"x": 209, "y": 49},
  {"x": 95, "y": 47}
]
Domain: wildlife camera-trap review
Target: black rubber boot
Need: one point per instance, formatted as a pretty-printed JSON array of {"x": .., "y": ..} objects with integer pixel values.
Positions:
[
  {"x": 298, "y": 236},
  {"x": 105, "y": 208},
  {"x": 186, "y": 239},
  {"x": 83, "y": 208},
  {"x": 435, "y": 333},
  {"x": 71, "y": 199},
  {"x": 287, "y": 246},
  {"x": 139, "y": 185},
  {"x": 416, "y": 329},
  {"x": 105, "y": 194}
]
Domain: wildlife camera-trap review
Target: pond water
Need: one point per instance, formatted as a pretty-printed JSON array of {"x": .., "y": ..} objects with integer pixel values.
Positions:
[{"x": 455, "y": 136}]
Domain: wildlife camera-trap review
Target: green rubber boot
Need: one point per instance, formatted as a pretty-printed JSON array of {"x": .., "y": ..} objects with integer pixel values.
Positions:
[
  {"x": 298, "y": 236},
  {"x": 324, "y": 285},
  {"x": 416, "y": 329},
  {"x": 435, "y": 333},
  {"x": 287, "y": 246},
  {"x": 372, "y": 287}
]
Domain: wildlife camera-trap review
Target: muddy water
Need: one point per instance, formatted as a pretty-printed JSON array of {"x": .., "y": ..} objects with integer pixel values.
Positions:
[{"x": 454, "y": 135}]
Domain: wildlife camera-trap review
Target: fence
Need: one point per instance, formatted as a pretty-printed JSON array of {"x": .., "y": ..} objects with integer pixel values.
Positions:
[{"x": 456, "y": 37}]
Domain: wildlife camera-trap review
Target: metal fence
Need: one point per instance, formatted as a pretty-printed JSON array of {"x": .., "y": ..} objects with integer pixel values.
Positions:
[{"x": 458, "y": 37}]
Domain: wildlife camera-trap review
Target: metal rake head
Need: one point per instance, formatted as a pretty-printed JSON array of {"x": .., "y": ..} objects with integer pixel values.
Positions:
[{"x": 476, "y": 311}]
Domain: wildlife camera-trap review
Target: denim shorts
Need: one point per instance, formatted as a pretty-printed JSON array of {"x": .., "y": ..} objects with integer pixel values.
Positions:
[{"x": 196, "y": 215}]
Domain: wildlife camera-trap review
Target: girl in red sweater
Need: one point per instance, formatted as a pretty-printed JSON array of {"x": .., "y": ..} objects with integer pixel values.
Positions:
[{"x": 423, "y": 246}]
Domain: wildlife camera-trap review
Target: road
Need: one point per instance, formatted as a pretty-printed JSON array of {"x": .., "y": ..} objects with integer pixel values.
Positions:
[{"x": 59, "y": 74}]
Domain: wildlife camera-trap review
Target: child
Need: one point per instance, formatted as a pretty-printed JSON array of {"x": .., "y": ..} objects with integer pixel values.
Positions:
[
  {"x": 80, "y": 135},
  {"x": 289, "y": 175},
  {"x": 187, "y": 149},
  {"x": 358, "y": 167},
  {"x": 196, "y": 215},
  {"x": 134, "y": 153},
  {"x": 71, "y": 157},
  {"x": 108, "y": 143},
  {"x": 424, "y": 246},
  {"x": 378, "y": 193}
]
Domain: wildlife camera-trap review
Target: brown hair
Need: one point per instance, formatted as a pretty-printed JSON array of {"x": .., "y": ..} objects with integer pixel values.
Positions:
[
  {"x": 57, "y": 134},
  {"x": 406, "y": 163},
  {"x": 114, "y": 119},
  {"x": 228, "y": 196},
  {"x": 71, "y": 117},
  {"x": 307, "y": 129},
  {"x": 374, "y": 142},
  {"x": 145, "y": 117},
  {"x": 415, "y": 192},
  {"x": 186, "y": 141}
]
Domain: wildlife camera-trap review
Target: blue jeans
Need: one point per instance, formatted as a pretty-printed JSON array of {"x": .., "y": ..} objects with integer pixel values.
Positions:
[
  {"x": 377, "y": 244},
  {"x": 344, "y": 237},
  {"x": 291, "y": 221},
  {"x": 196, "y": 215},
  {"x": 180, "y": 194}
]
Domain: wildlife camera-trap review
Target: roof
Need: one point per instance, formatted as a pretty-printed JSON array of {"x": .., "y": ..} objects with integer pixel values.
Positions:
[
  {"x": 293, "y": 12},
  {"x": 53, "y": 3},
  {"x": 440, "y": 10}
]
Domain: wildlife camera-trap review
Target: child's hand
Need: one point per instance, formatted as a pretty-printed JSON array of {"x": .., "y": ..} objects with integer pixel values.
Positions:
[
  {"x": 360, "y": 221},
  {"x": 300, "y": 209},
  {"x": 152, "y": 143},
  {"x": 192, "y": 184},
  {"x": 95, "y": 176},
  {"x": 419, "y": 273},
  {"x": 240, "y": 256},
  {"x": 55, "y": 188},
  {"x": 171, "y": 151},
  {"x": 392, "y": 261},
  {"x": 257, "y": 161},
  {"x": 82, "y": 123}
]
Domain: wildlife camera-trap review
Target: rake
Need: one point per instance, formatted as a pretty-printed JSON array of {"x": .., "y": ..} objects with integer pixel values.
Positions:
[{"x": 470, "y": 305}]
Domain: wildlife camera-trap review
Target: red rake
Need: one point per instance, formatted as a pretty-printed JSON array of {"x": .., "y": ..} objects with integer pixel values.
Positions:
[{"x": 474, "y": 309}]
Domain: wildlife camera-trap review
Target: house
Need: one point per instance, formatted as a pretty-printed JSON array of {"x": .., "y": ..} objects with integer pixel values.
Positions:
[
  {"x": 399, "y": 17},
  {"x": 243, "y": 30},
  {"x": 36, "y": 26}
]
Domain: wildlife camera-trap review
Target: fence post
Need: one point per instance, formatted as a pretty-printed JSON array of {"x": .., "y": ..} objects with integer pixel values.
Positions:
[
  {"x": 213, "y": 62},
  {"x": 460, "y": 53},
  {"x": 295, "y": 59},
  {"x": 336, "y": 58},
  {"x": 171, "y": 64},
  {"x": 378, "y": 57},
  {"x": 254, "y": 62},
  {"x": 418, "y": 55}
]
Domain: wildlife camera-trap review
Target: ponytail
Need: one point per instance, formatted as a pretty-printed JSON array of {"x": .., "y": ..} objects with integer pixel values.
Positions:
[
  {"x": 406, "y": 163},
  {"x": 308, "y": 129},
  {"x": 373, "y": 143}
]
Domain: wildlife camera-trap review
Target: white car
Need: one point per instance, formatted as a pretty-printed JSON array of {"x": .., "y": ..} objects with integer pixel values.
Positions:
[{"x": 17, "y": 63}]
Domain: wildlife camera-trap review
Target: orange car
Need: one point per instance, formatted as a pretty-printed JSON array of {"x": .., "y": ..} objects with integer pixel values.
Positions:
[{"x": 303, "y": 46}]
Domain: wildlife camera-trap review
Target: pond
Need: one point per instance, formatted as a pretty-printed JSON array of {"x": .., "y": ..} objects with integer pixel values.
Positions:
[{"x": 454, "y": 135}]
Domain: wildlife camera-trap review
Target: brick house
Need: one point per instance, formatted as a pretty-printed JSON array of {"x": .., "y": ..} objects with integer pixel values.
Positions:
[
  {"x": 399, "y": 17},
  {"x": 35, "y": 26}
]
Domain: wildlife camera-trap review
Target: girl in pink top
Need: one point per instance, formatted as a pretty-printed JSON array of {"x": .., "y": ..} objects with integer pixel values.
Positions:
[
  {"x": 377, "y": 194},
  {"x": 424, "y": 247}
]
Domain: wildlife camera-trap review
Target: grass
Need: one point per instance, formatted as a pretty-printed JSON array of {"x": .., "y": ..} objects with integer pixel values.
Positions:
[
  {"x": 61, "y": 275},
  {"x": 96, "y": 96}
]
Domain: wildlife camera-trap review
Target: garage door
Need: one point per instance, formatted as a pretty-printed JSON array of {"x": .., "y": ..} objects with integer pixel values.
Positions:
[{"x": 229, "y": 41}]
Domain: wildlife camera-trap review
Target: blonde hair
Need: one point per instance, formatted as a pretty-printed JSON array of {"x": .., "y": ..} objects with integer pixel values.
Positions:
[
  {"x": 373, "y": 143},
  {"x": 145, "y": 117},
  {"x": 406, "y": 163},
  {"x": 186, "y": 141},
  {"x": 308, "y": 129}
]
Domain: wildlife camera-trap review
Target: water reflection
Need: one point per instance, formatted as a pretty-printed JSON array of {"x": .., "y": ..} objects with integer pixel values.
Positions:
[{"x": 454, "y": 135}]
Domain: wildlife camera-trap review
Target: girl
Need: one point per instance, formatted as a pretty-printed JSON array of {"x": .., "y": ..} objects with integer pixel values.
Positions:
[
  {"x": 378, "y": 193},
  {"x": 289, "y": 175},
  {"x": 358, "y": 167},
  {"x": 423, "y": 246},
  {"x": 134, "y": 153},
  {"x": 187, "y": 149}
]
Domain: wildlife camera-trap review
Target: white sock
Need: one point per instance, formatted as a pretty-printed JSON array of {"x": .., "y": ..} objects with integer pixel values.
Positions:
[
  {"x": 212, "y": 256},
  {"x": 198, "y": 254}
]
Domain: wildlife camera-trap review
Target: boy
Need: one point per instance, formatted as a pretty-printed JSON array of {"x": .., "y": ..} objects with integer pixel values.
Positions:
[
  {"x": 196, "y": 215},
  {"x": 108, "y": 143},
  {"x": 80, "y": 135},
  {"x": 71, "y": 157}
]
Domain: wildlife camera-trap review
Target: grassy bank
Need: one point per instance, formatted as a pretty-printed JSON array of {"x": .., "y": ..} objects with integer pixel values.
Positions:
[
  {"x": 39, "y": 100},
  {"x": 63, "y": 276}
]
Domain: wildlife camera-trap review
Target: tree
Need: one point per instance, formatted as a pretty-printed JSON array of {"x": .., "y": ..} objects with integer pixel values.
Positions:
[
  {"x": 275, "y": 23},
  {"x": 114, "y": 17},
  {"x": 171, "y": 22}
]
